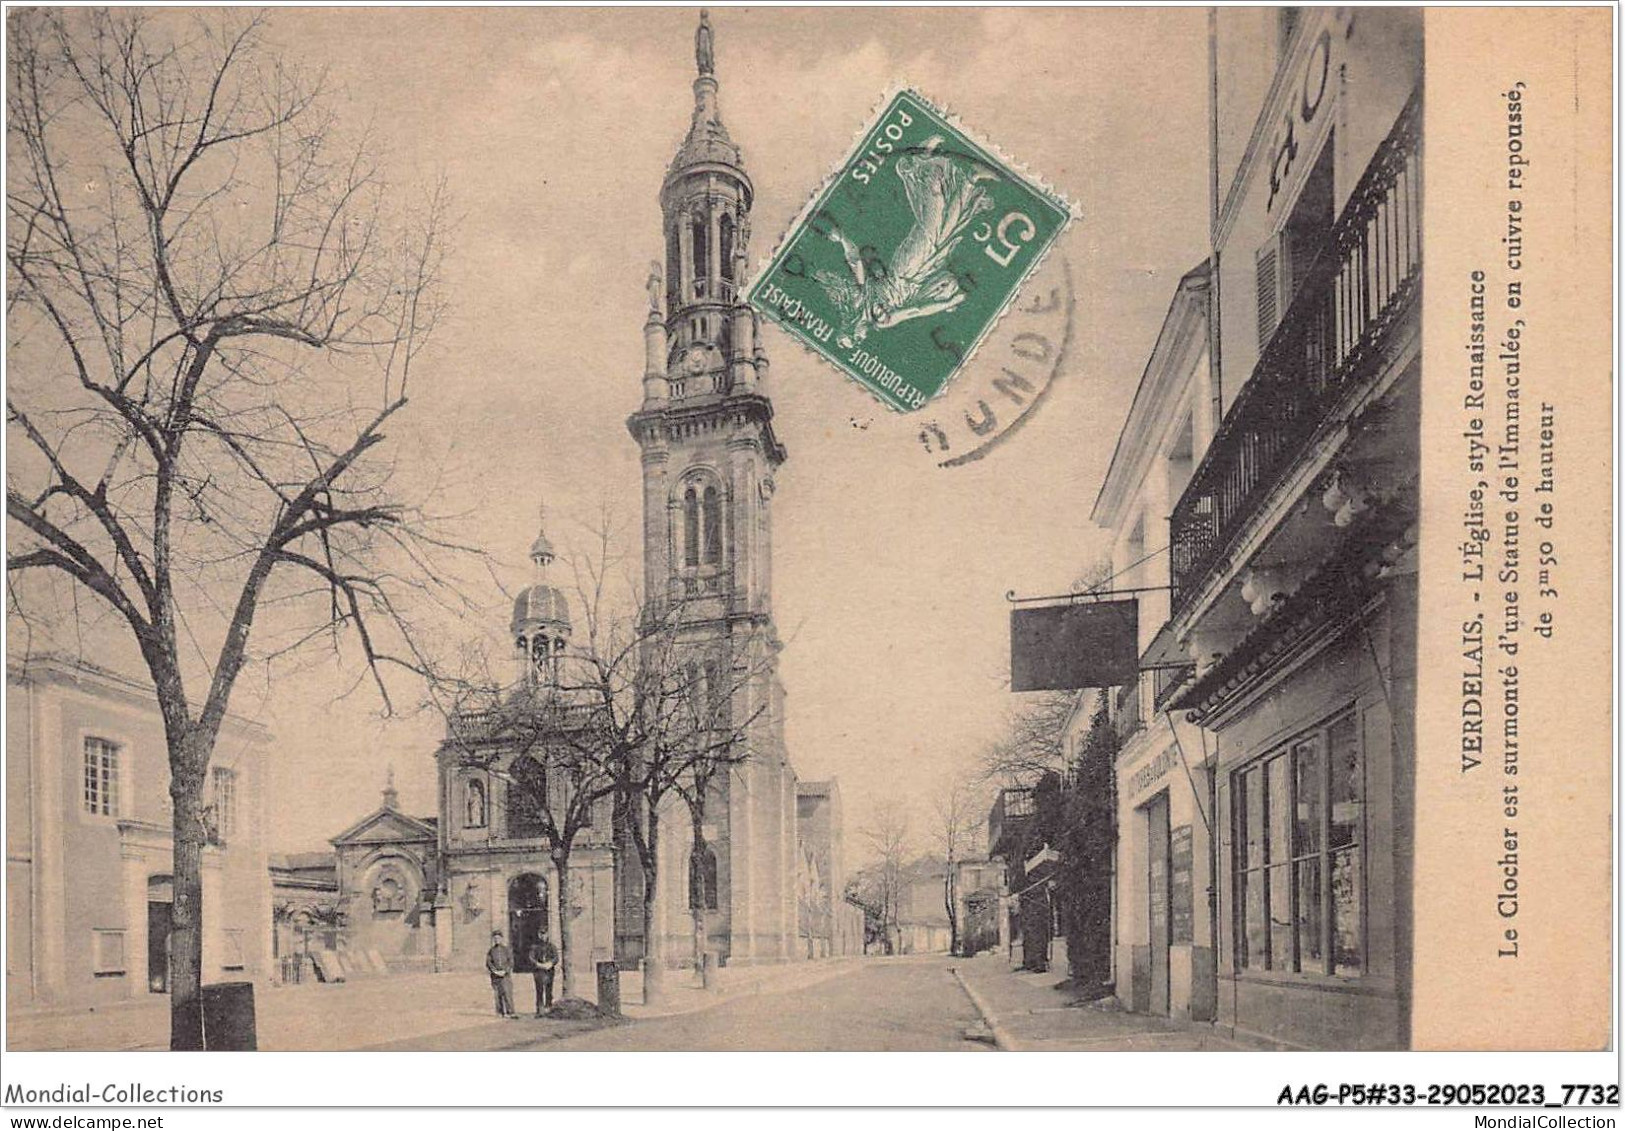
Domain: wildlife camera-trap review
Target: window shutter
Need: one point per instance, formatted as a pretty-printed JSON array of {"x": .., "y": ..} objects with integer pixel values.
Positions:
[{"x": 1269, "y": 290}]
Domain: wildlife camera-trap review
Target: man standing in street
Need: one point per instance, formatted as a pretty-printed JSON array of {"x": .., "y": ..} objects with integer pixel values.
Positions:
[
  {"x": 499, "y": 964},
  {"x": 544, "y": 958}
]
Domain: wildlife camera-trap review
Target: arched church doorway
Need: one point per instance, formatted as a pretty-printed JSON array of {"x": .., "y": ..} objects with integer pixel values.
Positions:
[
  {"x": 527, "y": 916},
  {"x": 160, "y": 922}
]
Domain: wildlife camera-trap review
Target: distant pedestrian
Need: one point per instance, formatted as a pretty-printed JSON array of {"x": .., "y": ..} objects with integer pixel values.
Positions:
[
  {"x": 499, "y": 964},
  {"x": 544, "y": 959}
]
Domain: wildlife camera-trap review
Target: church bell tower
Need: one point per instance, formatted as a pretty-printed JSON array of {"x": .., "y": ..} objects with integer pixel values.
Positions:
[
  {"x": 706, "y": 424},
  {"x": 709, "y": 454}
]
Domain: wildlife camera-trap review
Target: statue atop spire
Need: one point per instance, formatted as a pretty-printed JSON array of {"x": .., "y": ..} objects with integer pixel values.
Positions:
[
  {"x": 703, "y": 58},
  {"x": 707, "y": 142}
]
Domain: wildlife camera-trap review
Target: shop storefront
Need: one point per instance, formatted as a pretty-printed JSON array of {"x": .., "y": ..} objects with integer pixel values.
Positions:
[
  {"x": 1164, "y": 936},
  {"x": 1315, "y": 824}
]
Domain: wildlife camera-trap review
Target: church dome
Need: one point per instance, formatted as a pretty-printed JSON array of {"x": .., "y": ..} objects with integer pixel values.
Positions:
[
  {"x": 540, "y": 604},
  {"x": 707, "y": 144}
]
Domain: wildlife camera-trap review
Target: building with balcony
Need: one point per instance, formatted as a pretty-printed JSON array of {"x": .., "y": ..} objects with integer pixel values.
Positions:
[
  {"x": 1292, "y": 542},
  {"x": 1163, "y": 929},
  {"x": 90, "y": 842},
  {"x": 1022, "y": 828}
]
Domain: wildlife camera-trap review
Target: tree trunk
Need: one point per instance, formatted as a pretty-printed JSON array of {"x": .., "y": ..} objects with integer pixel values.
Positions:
[
  {"x": 654, "y": 943},
  {"x": 948, "y": 902},
  {"x": 697, "y": 905},
  {"x": 566, "y": 976},
  {"x": 186, "y": 924}
]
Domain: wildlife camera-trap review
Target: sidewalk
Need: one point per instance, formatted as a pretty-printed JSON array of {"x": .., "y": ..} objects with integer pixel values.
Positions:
[
  {"x": 451, "y": 1010},
  {"x": 1026, "y": 1013}
]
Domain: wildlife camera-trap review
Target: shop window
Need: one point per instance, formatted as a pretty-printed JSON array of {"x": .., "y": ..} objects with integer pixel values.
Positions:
[
  {"x": 1297, "y": 820},
  {"x": 101, "y": 780},
  {"x": 107, "y": 951}
]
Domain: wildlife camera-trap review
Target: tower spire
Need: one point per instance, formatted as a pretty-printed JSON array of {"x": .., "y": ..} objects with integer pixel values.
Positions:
[{"x": 541, "y": 550}]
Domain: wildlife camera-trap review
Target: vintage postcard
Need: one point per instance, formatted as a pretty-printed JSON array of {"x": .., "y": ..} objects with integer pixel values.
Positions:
[{"x": 965, "y": 530}]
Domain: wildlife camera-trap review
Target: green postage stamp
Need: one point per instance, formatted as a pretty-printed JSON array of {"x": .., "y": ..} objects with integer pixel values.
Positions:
[{"x": 905, "y": 259}]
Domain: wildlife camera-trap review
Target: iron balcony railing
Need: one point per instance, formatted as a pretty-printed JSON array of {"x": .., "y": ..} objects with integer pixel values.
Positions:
[
  {"x": 1364, "y": 281},
  {"x": 1011, "y": 813}
]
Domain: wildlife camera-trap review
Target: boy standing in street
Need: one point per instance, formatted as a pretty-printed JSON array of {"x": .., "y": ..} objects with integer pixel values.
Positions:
[
  {"x": 499, "y": 964},
  {"x": 544, "y": 958}
]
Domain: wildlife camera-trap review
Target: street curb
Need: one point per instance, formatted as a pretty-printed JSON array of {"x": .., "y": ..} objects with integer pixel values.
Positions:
[{"x": 1002, "y": 1039}]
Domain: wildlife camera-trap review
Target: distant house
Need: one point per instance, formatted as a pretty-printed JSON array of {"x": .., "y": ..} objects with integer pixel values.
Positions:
[
  {"x": 922, "y": 916},
  {"x": 923, "y": 926}
]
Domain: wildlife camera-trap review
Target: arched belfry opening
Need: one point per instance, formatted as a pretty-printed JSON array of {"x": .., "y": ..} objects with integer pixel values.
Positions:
[{"x": 541, "y": 621}]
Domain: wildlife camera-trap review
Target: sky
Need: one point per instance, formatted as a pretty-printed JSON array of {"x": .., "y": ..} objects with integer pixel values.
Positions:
[{"x": 552, "y": 129}]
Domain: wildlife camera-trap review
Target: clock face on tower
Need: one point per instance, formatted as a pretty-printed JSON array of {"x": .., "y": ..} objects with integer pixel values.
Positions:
[{"x": 698, "y": 358}]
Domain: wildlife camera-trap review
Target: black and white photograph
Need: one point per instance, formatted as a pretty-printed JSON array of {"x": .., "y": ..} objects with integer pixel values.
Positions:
[{"x": 802, "y": 530}]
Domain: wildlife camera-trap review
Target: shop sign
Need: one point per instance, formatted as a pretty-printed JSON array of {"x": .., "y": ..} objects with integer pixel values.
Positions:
[
  {"x": 1068, "y": 647},
  {"x": 1152, "y": 772},
  {"x": 1306, "y": 98},
  {"x": 1181, "y": 921}
]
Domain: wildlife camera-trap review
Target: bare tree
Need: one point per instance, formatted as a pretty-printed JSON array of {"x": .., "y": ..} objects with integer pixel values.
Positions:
[
  {"x": 711, "y": 732},
  {"x": 685, "y": 724},
  {"x": 1031, "y": 744},
  {"x": 959, "y": 810},
  {"x": 640, "y": 709},
  {"x": 214, "y": 313},
  {"x": 541, "y": 740},
  {"x": 881, "y": 881}
]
